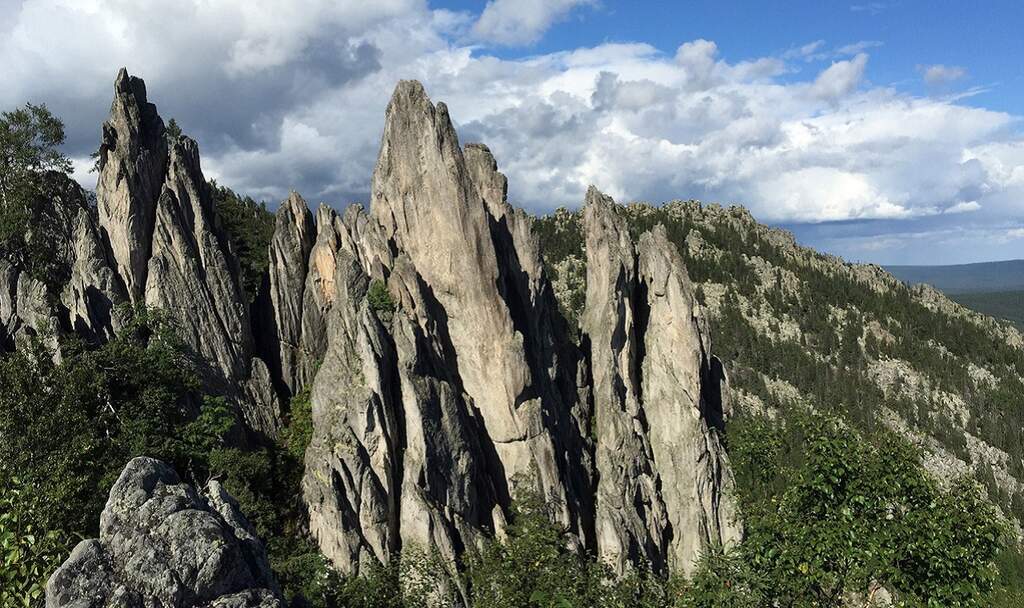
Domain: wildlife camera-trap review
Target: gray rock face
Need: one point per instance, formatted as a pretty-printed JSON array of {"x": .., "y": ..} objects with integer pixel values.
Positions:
[
  {"x": 432, "y": 411},
  {"x": 664, "y": 489},
  {"x": 25, "y": 309},
  {"x": 157, "y": 212},
  {"x": 631, "y": 517},
  {"x": 294, "y": 234},
  {"x": 133, "y": 159},
  {"x": 94, "y": 290},
  {"x": 163, "y": 544}
]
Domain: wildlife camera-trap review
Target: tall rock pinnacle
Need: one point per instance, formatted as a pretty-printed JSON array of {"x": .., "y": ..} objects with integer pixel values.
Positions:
[
  {"x": 427, "y": 201},
  {"x": 444, "y": 381},
  {"x": 158, "y": 215},
  {"x": 132, "y": 162},
  {"x": 440, "y": 400}
]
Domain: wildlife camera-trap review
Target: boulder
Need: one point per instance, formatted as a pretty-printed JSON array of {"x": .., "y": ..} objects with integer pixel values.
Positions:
[{"x": 163, "y": 544}]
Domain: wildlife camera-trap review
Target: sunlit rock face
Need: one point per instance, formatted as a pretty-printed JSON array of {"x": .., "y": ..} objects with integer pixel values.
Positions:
[{"x": 432, "y": 411}]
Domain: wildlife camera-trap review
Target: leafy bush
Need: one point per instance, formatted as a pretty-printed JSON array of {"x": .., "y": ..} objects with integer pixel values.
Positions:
[
  {"x": 38, "y": 199},
  {"x": 534, "y": 567},
  {"x": 852, "y": 511},
  {"x": 380, "y": 301},
  {"x": 28, "y": 553}
]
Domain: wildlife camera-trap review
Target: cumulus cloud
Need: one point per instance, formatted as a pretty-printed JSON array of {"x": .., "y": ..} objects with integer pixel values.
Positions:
[
  {"x": 939, "y": 75},
  {"x": 840, "y": 78},
  {"x": 521, "y": 22},
  {"x": 963, "y": 207},
  {"x": 295, "y": 99}
]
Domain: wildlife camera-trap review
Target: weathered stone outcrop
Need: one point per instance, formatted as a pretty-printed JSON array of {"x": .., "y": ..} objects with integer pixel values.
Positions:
[
  {"x": 663, "y": 490},
  {"x": 432, "y": 410},
  {"x": 132, "y": 165},
  {"x": 157, "y": 212},
  {"x": 153, "y": 240},
  {"x": 681, "y": 394},
  {"x": 444, "y": 380},
  {"x": 25, "y": 309},
  {"x": 94, "y": 290},
  {"x": 631, "y": 518},
  {"x": 294, "y": 234},
  {"x": 163, "y": 544}
]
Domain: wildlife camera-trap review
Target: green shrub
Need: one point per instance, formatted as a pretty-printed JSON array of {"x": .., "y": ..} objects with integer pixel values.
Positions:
[
  {"x": 379, "y": 299},
  {"x": 851, "y": 511},
  {"x": 28, "y": 553}
]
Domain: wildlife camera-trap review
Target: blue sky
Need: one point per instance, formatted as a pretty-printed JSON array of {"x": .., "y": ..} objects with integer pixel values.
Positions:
[
  {"x": 890, "y": 132},
  {"x": 986, "y": 37}
]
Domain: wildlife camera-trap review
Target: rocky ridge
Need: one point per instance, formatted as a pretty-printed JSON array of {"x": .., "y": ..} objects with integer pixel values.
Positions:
[
  {"x": 444, "y": 378},
  {"x": 152, "y": 240},
  {"x": 805, "y": 329}
]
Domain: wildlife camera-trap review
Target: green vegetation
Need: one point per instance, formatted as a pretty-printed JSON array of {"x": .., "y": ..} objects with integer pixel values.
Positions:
[
  {"x": 38, "y": 199},
  {"x": 380, "y": 301},
  {"x": 829, "y": 512},
  {"x": 28, "y": 553},
  {"x": 70, "y": 426},
  {"x": 249, "y": 228},
  {"x": 1007, "y": 305},
  {"x": 173, "y": 130}
]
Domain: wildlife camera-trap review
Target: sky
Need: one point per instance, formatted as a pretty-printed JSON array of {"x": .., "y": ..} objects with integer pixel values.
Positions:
[{"x": 882, "y": 131}]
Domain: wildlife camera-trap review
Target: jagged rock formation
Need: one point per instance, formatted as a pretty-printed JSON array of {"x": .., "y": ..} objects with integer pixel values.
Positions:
[
  {"x": 82, "y": 293},
  {"x": 664, "y": 482},
  {"x": 444, "y": 378},
  {"x": 152, "y": 240},
  {"x": 163, "y": 544},
  {"x": 431, "y": 411}
]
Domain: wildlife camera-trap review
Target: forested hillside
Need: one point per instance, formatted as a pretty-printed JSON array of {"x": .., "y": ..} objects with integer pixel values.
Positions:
[
  {"x": 1007, "y": 305},
  {"x": 801, "y": 332}
]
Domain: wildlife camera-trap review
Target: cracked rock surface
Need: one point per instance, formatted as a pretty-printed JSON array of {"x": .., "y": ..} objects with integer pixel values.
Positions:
[{"x": 163, "y": 544}]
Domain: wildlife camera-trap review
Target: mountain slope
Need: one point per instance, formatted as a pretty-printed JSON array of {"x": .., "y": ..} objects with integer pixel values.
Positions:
[
  {"x": 1007, "y": 305},
  {"x": 965, "y": 278},
  {"x": 541, "y": 408},
  {"x": 796, "y": 327}
]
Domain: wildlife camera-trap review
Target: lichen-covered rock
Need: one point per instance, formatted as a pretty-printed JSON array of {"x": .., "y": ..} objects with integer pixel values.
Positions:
[{"x": 163, "y": 544}]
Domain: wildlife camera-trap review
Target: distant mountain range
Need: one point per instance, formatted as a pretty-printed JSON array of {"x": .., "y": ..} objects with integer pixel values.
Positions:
[
  {"x": 991, "y": 288},
  {"x": 966, "y": 278}
]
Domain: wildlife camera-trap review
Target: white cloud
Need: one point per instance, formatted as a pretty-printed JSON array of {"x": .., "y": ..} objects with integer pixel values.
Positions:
[
  {"x": 840, "y": 78},
  {"x": 871, "y": 8},
  {"x": 295, "y": 99},
  {"x": 939, "y": 75},
  {"x": 963, "y": 207},
  {"x": 808, "y": 52},
  {"x": 857, "y": 47},
  {"x": 521, "y": 22}
]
